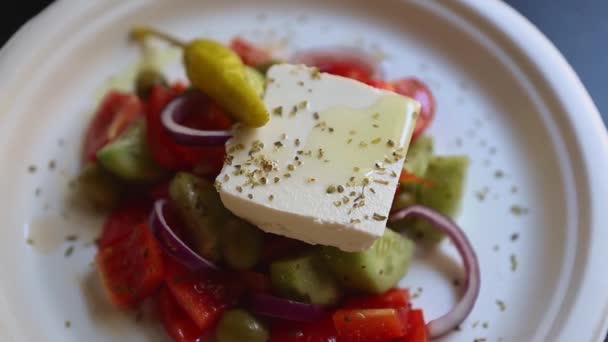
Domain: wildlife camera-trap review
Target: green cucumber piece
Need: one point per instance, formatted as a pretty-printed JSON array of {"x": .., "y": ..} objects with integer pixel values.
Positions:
[
  {"x": 98, "y": 186},
  {"x": 419, "y": 155},
  {"x": 374, "y": 270},
  {"x": 128, "y": 156},
  {"x": 239, "y": 326},
  {"x": 417, "y": 161},
  {"x": 198, "y": 204},
  {"x": 304, "y": 278},
  {"x": 446, "y": 175},
  {"x": 241, "y": 244}
]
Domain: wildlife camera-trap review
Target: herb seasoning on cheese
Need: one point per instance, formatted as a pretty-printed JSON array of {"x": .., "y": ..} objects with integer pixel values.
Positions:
[{"x": 316, "y": 161}]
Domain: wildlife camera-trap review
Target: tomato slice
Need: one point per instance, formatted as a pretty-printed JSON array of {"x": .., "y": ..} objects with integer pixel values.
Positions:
[
  {"x": 204, "y": 296},
  {"x": 370, "y": 325},
  {"x": 380, "y": 84},
  {"x": 397, "y": 191},
  {"x": 416, "y": 329},
  {"x": 178, "y": 325},
  {"x": 212, "y": 158},
  {"x": 391, "y": 299},
  {"x": 249, "y": 53},
  {"x": 350, "y": 69},
  {"x": 322, "y": 331},
  {"x": 162, "y": 146},
  {"x": 171, "y": 155},
  {"x": 131, "y": 268},
  {"x": 116, "y": 111},
  {"x": 406, "y": 177},
  {"x": 341, "y": 65},
  {"x": 122, "y": 221},
  {"x": 416, "y": 89}
]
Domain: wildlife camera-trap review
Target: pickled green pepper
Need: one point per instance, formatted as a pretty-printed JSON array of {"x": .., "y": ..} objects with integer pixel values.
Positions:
[{"x": 218, "y": 72}]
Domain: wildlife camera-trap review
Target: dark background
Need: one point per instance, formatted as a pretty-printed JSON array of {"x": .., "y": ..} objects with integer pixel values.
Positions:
[{"x": 579, "y": 28}]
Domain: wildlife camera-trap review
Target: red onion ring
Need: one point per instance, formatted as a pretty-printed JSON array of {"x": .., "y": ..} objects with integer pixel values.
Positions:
[
  {"x": 446, "y": 323},
  {"x": 175, "y": 111},
  {"x": 351, "y": 55},
  {"x": 172, "y": 244},
  {"x": 271, "y": 306}
]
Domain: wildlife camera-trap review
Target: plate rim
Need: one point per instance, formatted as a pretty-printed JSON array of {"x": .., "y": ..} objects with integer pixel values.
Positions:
[
  {"x": 557, "y": 74},
  {"x": 589, "y": 130}
]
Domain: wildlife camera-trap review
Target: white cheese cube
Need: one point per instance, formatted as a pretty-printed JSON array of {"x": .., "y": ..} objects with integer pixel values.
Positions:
[{"x": 324, "y": 169}]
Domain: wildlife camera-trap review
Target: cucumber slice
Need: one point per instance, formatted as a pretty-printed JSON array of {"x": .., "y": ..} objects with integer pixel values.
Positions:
[
  {"x": 128, "y": 156},
  {"x": 98, "y": 186},
  {"x": 202, "y": 212},
  {"x": 304, "y": 279},
  {"x": 419, "y": 155},
  {"x": 374, "y": 270},
  {"x": 417, "y": 161},
  {"x": 446, "y": 175},
  {"x": 241, "y": 244}
]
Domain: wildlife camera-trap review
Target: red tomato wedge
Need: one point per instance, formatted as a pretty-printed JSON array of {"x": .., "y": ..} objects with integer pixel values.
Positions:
[
  {"x": 380, "y": 84},
  {"x": 212, "y": 159},
  {"x": 249, "y": 53},
  {"x": 164, "y": 149},
  {"x": 406, "y": 177},
  {"x": 349, "y": 69},
  {"x": 171, "y": 155},
  {"x": 204, "y": 296},
  {"x": 322, "y": 331},
  {"x": 178, "y": 325},
  {"x": 340, "y": 64},
  {"x": 122, "y": 221},
  {"x": 370, "y": 325},
  {"x": 416, "y": 89},
  {"x": 116, "y": 111},
  {"x": 416, "y": 328},
  {"x": 131, "y": 268},
  {"x": 391, "y": 299}
]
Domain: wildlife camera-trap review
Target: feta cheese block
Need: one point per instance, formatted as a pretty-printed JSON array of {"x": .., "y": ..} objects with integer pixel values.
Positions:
[{"x": 324, "y": 169}]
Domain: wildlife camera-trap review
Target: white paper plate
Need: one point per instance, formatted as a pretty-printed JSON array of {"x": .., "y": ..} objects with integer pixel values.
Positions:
[{"x": 505, "y": 97}]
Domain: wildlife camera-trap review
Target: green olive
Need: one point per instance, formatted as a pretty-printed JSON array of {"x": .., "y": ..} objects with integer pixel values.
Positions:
[
  {"x": 241, "y": 244},
  {"x": 98, "y": 186},
  {"x": 146, "y": 79},
  {"x": 238, "y": 326}
]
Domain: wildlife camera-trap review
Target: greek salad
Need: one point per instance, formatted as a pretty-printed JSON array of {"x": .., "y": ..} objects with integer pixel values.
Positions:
[{"x": 272, "y": 199}]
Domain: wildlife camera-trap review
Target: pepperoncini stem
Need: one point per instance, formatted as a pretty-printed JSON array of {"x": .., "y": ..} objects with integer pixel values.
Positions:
[{"x": 140, "y": 33}]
